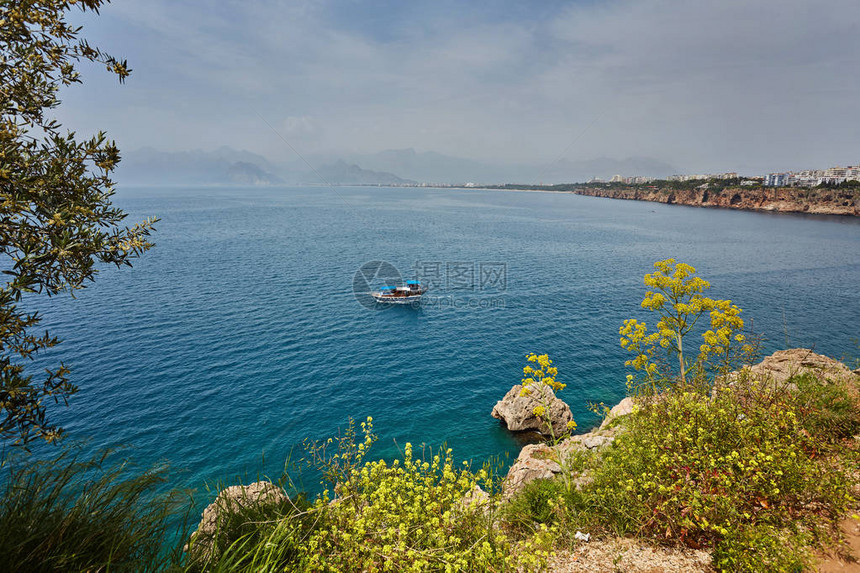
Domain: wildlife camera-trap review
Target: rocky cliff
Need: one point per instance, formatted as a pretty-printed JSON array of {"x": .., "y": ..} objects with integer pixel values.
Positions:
[{"x": 780, "y": 199}]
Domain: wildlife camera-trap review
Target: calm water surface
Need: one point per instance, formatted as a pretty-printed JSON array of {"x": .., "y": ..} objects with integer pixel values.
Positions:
[{"x": 239, "y": 336}]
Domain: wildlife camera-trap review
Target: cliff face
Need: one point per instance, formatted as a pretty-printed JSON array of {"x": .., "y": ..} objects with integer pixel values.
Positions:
[{"x": 781, "y": 199}]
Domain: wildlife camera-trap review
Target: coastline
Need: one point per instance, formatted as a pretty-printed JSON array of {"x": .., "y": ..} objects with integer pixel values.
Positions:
[{"x": 838, "y": 202}]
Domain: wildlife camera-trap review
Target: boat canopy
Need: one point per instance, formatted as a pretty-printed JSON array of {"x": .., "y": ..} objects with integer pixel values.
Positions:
[
  {"x": 413, "y": 282},
  {"x": 388, "y": 288}
]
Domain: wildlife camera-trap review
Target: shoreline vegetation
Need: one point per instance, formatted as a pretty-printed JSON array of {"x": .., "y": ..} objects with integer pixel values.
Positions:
[
  {"x": 842, "y": 200},
  {"x": 712, "y": 464}
]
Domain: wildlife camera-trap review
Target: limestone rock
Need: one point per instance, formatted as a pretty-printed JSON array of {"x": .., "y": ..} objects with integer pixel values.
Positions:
[
  {"x": 783, "y": 364},
  {"x": 536, "y": 461},
  {"x": 541, "y": 461},
  {"x": 517, "y": 412},
  {"x": 623, "y": 408},
  {"x": 232, "y": 499}
]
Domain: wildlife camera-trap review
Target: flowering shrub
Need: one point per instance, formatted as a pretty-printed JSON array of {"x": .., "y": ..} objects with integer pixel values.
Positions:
[
  {"x": 537, "y": 379},
  {"x": 677, "y": 297},
  {"x": 693, "y": 468},
  {"x": 737, "y": 469},
  {"x": 415, "y": 515}
]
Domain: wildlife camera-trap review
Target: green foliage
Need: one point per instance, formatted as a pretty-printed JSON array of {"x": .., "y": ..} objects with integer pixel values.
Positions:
[
  {"x": 829, "y": 409},
  {"x": 72, "y": 514},
  {"x": 536, "y": 503},
  {"x": 734, "y": 470},
  {"x": 763, "y": 548},
  {"x": 412, "y": 514},
  {"x": 264, "y": 536},
  {"x": 678, "y": 300},
  {"x": 56, "y": 218}
]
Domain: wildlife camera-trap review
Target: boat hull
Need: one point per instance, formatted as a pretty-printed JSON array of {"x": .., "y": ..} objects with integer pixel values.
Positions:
[{"x": 388, "y": 299}]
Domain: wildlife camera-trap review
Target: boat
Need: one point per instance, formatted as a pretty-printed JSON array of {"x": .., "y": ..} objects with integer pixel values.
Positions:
[{"x": 409, "y": 294}]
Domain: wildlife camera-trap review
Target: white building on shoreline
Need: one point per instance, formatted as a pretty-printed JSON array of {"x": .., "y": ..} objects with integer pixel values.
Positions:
[{"x": 813, "y": 177}]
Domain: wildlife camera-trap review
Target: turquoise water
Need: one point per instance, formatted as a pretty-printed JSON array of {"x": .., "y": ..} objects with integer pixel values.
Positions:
[{"x": 239, "y": 336}]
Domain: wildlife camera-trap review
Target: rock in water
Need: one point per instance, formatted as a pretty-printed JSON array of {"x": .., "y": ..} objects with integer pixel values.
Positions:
[{"x": 517, "y": 412}]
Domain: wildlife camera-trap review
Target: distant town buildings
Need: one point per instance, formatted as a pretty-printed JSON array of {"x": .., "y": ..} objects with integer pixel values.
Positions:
[
  {"x": 813, "y": 177},
  {"x": 807, "y": 178},
  {"x": 641, "y": 179}
]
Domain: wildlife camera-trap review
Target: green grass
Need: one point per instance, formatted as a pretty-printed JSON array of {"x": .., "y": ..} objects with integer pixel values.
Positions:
[{"x": 71, "y": 513}]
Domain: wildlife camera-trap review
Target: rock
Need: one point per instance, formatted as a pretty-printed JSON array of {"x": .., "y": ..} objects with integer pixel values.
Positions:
[
  {"x": 783, "y": 364},
  {"x": 476, "y": 500},
  {"x": 776, "y": 199},
  {"x": 541, "y": 461},
  {"x": 536, "y": 461},
  {"x": 593, "y": 442},
  {"x": 517, "y": 412},
  {"x": 622, "y": 408},
  {"x": 229, "y": 500}
]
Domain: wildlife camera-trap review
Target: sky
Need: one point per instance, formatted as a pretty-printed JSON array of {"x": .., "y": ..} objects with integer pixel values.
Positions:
[{"x": 732, "y": 85}]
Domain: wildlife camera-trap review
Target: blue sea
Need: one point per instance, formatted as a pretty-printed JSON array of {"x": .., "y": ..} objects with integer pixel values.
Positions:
[{"x": 240, "y": 336}]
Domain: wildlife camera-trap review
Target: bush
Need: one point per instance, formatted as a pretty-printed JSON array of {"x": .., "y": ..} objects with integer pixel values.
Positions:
[
  {"x": 415, "y": 515},
  {"x": 697, "y": 468},
  {"x": 67, "y": 514},
  {"x": 763, "y": 548},
  {"x": 535, "y": 504},
  {"x": 829, "y": 409}
]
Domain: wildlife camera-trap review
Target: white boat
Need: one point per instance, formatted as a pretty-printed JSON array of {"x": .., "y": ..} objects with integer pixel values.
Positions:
[{"x": 408, "y": 294}]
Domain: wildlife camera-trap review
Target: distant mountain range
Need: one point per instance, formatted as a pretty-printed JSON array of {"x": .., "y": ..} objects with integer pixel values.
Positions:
[
  {"x": 223, "y": 166},
  {"x": 342, "y": 173},
  {"x": 431, "y": 167},
  {"x": 227, "y": 166}
]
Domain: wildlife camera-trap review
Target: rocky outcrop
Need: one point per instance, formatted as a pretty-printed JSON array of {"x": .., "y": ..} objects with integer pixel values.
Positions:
[
  {"x": 517, "y": 410},
  {"x": 783, "y": 364},
  {"x": 543, "y": 461},
  {"x": 779, "y": 199},
  {"x": 618, "y": 411},
  {"x": 229, "y": 500}
]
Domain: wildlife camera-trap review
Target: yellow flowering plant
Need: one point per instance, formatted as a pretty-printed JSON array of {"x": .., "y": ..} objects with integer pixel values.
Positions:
[
  {"x": 676, "y": 295},
  {"x": 539, "y": 375},
  {"x": 420, "y": 512}
]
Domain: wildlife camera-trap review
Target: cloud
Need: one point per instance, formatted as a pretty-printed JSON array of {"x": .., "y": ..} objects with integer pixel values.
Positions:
[{"x": 705, "y": 85}]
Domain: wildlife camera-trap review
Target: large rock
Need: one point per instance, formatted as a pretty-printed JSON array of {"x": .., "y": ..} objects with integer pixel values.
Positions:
[
  {"x": 517, "y": 411},
  {"x": 536, "y": 461},
  {"x": 783, "y": 364},
  {"x": 230, "y": 500},
  {"x": 543, "y": 461}
]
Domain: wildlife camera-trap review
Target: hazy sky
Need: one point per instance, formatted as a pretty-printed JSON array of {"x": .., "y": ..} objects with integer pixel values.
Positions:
[{"x": 707, "y": 85}]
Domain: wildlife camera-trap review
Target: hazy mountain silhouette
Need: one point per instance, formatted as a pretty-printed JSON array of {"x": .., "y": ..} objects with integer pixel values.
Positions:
[{"x": 227, "y": 166}]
